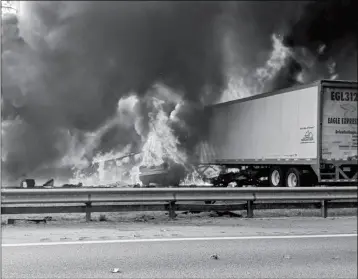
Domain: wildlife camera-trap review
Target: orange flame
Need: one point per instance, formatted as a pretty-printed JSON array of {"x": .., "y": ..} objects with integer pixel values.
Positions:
[
  {"x": 194, "y": 178},
  {"x": 161, "y": 144},
  {"x": 240, "y": 87}
]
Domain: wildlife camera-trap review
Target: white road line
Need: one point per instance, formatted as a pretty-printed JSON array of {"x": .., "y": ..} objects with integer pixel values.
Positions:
[{"x": 179, "y": 239}]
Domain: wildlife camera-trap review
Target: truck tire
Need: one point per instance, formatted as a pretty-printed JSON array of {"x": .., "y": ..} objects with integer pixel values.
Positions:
[
  {"x": 293, "y": 178},
  {"x": 276, "y": 177}
]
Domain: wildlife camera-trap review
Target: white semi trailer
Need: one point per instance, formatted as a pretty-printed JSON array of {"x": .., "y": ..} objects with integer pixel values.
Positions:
[{"x": 301, "y": 136}]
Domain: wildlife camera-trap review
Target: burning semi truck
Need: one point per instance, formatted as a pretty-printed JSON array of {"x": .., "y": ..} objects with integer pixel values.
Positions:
[{"x": 301, "y": 136}]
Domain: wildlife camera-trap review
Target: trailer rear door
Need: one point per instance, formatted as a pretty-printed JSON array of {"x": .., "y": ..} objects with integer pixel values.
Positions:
[{"x": 339, "y": 121}]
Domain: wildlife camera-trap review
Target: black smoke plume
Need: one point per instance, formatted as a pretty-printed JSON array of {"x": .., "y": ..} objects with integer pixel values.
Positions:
[
  {"x": 82, "y": 57},
  {"x": 67, "y": 68},
  {"x": 324, "y": 42}
]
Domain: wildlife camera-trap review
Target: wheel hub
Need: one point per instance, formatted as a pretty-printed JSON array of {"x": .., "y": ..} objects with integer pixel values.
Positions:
[
  {"x": 275, "y": 177},
  {"x": 292, "y": 180}
]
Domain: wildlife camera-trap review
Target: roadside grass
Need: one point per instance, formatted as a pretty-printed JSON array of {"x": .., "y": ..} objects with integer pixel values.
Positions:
[{"x": 182, "y": 217}]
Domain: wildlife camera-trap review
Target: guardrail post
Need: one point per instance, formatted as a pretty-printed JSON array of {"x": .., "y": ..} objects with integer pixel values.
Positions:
[
  {"x": 324, "y": 208},
  {"x": 250, "y": 209},
  {"x": 172, "y": 214},
  {"x": 88, "y": 211}
]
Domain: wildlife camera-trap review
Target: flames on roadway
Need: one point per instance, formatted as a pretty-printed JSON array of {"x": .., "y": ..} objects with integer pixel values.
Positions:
[{"x": 86, "y": 81}]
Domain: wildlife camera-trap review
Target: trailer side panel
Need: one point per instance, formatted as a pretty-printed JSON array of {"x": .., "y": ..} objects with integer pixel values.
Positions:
[{"x": 280, "y": 127}]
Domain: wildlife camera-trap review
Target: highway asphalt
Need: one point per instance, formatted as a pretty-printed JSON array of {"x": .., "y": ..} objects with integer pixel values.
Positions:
[{"x": 245, "y": 257}]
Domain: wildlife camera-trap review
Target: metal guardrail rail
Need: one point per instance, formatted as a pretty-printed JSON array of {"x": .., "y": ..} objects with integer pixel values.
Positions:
[
  {"x": 170, "y": 196},
  {"x": 19, "y": 196}
]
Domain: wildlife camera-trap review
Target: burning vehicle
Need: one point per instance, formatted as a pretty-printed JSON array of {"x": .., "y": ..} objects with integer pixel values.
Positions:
[{"x": 167, "y": 174}]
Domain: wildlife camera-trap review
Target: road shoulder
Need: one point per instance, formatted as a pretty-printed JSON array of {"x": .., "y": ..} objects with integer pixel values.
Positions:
[{"x": 24, "y": 232}]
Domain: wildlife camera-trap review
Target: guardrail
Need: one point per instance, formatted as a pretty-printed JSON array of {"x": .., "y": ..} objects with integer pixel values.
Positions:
[{"x": 169, "y": 196}]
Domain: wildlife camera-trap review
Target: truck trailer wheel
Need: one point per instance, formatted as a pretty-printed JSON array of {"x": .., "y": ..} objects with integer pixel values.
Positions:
[
  {"x": 293, "y": 178},
  {"x": 276, "y": 177}
]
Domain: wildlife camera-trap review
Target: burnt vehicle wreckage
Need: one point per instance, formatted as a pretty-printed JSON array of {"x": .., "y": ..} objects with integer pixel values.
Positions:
[{"x": 284, "y": 138}]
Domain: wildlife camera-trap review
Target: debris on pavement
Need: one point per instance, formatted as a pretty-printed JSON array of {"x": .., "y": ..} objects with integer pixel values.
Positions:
[
  {"x": 175, "y": 215},
  {"x": 143, "y": 218},
  {"x": 64, "y": 238},
  {"x": 83, "y": 238},
  {"x": 115, "y": 270},
  {"x": 214, "y": 257},
  {"x": 44, "y": 239},
  {"x": 194, "y": 212},
  {"x": 213, "y": 214},
  {"x": 228, "y": 213},
  {"x": 79, "y": 185},
  {"x": 11, "y": 221},
  {"x": 102, "y": 218}
]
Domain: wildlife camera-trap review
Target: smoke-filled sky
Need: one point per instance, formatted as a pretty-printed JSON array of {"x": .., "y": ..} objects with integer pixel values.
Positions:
[
  {"x": 326, "y": 34},
  {"x": 68, "y": 68}
]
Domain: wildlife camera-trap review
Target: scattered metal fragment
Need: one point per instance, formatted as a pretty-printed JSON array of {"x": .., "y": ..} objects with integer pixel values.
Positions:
[
  {"x": 72, "y": 185},
  {"x": 191, "y": 212},
  {"x": 11, "y": 221},
  {"x": 143, "y": 218},
  {"x": 104, "y": 237},
  {"x": 214, "y": 257},
  {"x": 115, "y": 270},
  {"x": 44, "y": 239},
  {"x": 228, "y": 213},
  {"x": 49, "y": 183},
  {"x": 65, "y": 238},
  {"x": 83, "y": 237},
  {"x": 27, "y": 183}
]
